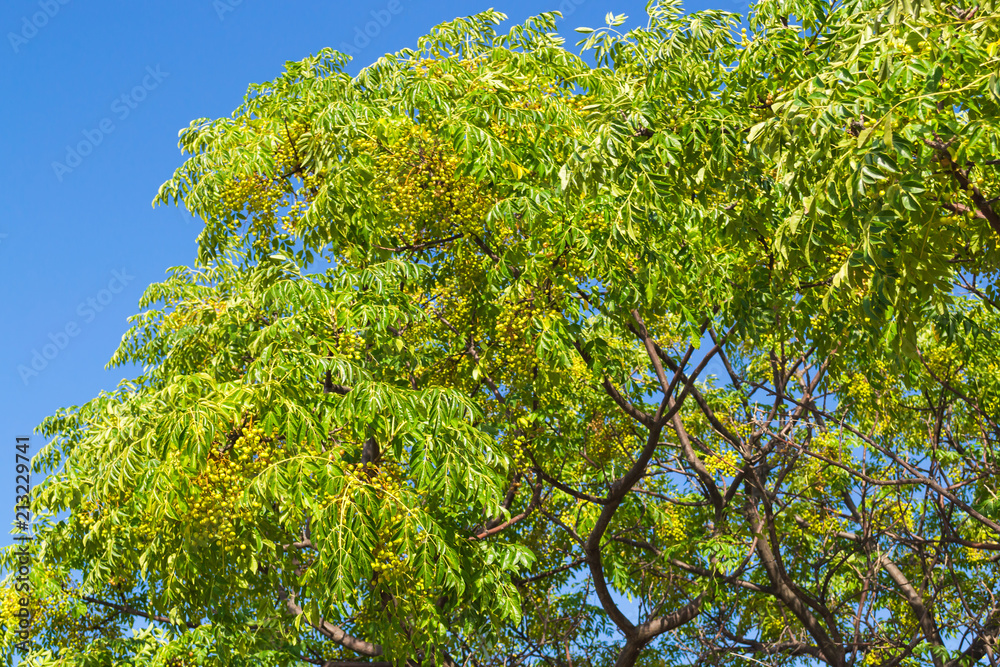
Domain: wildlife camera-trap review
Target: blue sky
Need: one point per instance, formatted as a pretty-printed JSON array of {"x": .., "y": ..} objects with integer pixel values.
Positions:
[{"x": 95, "y": 95}]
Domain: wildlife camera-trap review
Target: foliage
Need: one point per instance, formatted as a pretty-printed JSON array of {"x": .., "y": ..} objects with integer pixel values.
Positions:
[{"x": 486, "y": 341}]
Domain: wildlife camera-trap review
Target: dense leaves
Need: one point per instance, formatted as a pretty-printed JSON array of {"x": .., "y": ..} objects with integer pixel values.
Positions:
[{"x": 496, "y": 356}]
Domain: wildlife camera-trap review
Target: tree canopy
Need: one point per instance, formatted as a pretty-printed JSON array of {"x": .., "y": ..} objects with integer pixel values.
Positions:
[{"x": 680, "y": 351}]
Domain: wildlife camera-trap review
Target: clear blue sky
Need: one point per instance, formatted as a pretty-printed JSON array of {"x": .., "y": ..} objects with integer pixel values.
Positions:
[{"x": 79, "y": 240}]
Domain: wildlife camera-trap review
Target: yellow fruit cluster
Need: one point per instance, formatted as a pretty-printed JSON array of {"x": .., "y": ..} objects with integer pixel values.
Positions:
[
  {"x": 831, "y": 445},
  {"x": 878, "y": 657},
  {"x": 743, "y": 429},
  {"x": 976, "y": 555},
  {"x": 604, "y": 433},
  {"x": 88, "y": 513},
  {"x": 727, "y": 464},
  {"x": 872, "y": 396},
  {"x": 348, "y": 343},
  {"x": 425, "y": 197},
  {"x": 772, "y": 624},
  {"x": 386, "y": 559},
  {"x": 516, "y": 446},
  {"x": 286, "y": 154},
  {"x": 820, "y": 521},
  {"x": 673, "y": 529},
  {"x": 256, "y": 195},
  {"x": 193, "y": 313},
  {"x": 991, "y": 399},
  {"x": 217, "y": 510},
  {"x": 943, "y": 361},
  {"x": 595, "y": 224},
  {"x": 390, "y": 561},
  {"x": 897, "y": 514},
  {"x": 468, "y": 268},
  {"x": 261, "y": 196},
  {"x": 49, "y": 612},
  {"x": 515, "y": 340},
  {"x": 291, "y": 220}
]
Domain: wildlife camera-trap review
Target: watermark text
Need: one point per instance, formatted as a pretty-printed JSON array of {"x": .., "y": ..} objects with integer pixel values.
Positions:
[{"x": 122, "y": 106}]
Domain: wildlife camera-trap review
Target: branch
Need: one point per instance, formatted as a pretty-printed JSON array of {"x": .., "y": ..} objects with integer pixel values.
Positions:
[
  {"x": 833, "y": 652},
  {"x": 579, "y": 495},
  {"x": 131, "y": 611},
  {"x": 514, "y": 271},
  {"x": 791, "y": 648},
  {"x": 536, "y": 500},
  {"x": 548, "y": 573},
  {"x": 333, "y": 632},
  {"x": 629, "y": 409},
  {"x": 985, "y": 210},
  {"x": 419, "y": 246},
  {"x": 619, "y": 489},
  {"x": 330, "y": 388},
  {"x": 916, "y": 602},
  {"x": 983, "y": 644}
]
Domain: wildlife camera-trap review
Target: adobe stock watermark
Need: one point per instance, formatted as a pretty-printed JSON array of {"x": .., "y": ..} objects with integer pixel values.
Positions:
[
  {"x": 567, "y": 7},
  {"x": 381, "y": 18},
  {"x": 122, "y": 106},
  {"x": 31, "y": 25},
  {"x": 87, "y": 311},
  {"x": 223, "y": 7},
  {"x": 22, "y": 522}
]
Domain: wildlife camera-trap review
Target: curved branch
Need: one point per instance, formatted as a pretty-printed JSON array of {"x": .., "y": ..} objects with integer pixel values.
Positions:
[
  {"x": 332, "y": 632},
  {"x": 832, "y": 651},
  {"x": 131, "y": 611},
  {"x": 579, "y": 495},
  {"x": 536, "y": 500},
  {"x": 629, "y": 409},
  {"x": 983, "y": 644},
  {"x": 548, "y": 573}
]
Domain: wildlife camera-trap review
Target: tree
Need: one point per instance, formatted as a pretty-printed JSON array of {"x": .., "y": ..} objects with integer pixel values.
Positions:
[{"x": 706, "y": 326}]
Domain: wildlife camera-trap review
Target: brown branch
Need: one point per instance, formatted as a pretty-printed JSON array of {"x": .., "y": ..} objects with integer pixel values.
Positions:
[
  {"x": 961, "y": 176},
  {"x": 784, "y": 590},
  {"x": 131, "y": 611},
  {"x": 419, "y": 246},
  {"x": 619, "y": 489},
  {"x": 983, "y": 644},
  {"x": 332, "y": 632},
  {"x": 536, "y": 500},
  {"x": 515, "y": 272},
  {"x": 548, "y": 573},
  {"x": 790, "y": 648},
  {"x": 629, "y": 409},
  {"x": 700, "y": 571},
  {"x": 579, "y": 495},
  {"x": 330, "y": 388},
  {"x": 916, "y": 602}
]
